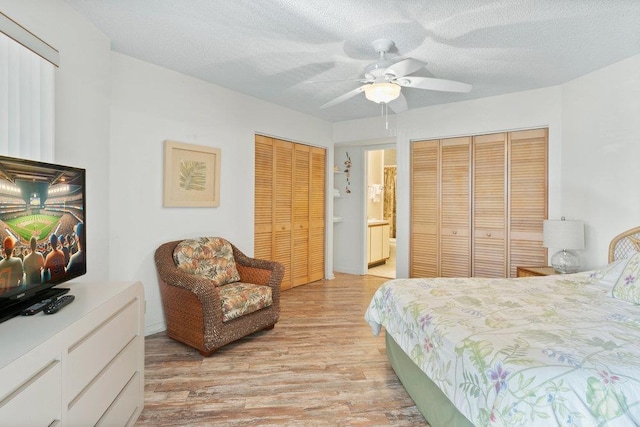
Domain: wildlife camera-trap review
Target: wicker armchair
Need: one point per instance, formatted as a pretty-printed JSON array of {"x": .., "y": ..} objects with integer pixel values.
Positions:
[{"x": 193, "y": 307}]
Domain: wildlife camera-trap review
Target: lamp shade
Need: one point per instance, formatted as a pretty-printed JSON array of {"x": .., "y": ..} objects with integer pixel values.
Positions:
[
  {"x": 382, "y": 92},
  {"x": 563, "y": 234}
]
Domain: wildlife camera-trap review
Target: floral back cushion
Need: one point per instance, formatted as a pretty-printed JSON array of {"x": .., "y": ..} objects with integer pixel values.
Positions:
[
  {"x": 211, "y": 257},
  {"x": 627, "y": 287}
]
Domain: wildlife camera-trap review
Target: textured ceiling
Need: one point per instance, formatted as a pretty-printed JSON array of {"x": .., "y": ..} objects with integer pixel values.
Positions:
[{"x": 271, "y": 49}]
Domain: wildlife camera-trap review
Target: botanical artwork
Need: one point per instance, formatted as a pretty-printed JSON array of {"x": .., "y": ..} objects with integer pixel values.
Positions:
[{"x": 191, "y": 175}]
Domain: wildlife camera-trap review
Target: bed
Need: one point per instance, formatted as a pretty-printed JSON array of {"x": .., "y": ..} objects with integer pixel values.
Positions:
[{"x": 553, "y": 350}]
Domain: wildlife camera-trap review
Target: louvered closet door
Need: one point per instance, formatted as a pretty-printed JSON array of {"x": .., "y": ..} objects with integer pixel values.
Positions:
[
  {"x": 527, "y": 197},
  {"x": 283, "y": 207},
  {"x": 455, "y": 208},
  {"x": 300, "y": 256},
  {"x": 263, "y": 216},
  {"x": 289, "y": 220},
  {"x": 489, "y": 206},
  {"x": 424, "y": 209},
  {"x": 317, "y": 213}
]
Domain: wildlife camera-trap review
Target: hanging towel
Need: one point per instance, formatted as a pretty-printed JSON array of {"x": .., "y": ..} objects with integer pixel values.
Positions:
[{"x": 375, "y": 190}]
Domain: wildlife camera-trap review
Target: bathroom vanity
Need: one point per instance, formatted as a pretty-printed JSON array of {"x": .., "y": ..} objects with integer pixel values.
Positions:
[{"x": 377, "y": 242}]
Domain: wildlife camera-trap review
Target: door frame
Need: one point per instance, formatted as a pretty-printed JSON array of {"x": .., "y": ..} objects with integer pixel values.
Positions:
[{"x": 365, "y": 172}]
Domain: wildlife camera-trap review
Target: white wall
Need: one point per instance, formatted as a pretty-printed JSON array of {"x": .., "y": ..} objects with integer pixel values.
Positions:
[
  {"x": 150, "y": 104},
  {"x": 531, "y": 109},
  {"x": 348, "y": 235},
  {"x": 81, "y": 110},
  {"x": 601, "y": 154}
]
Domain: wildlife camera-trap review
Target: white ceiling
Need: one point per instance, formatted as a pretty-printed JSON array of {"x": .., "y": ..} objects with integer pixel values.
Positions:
[{"x": 270, "y": 49}]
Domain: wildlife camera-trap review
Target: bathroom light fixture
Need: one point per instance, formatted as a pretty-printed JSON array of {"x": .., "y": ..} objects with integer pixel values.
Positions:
[
  {"x": 566, "y": 236},
  {"x": 382, "y": 92}
]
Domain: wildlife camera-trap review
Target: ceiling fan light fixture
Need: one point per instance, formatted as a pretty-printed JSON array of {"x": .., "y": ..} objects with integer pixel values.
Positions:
[{"x": 382, "y": 92}]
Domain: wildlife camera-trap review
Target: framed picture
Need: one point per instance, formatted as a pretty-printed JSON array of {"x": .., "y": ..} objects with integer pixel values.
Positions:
[{"x": 191, "y": 175}]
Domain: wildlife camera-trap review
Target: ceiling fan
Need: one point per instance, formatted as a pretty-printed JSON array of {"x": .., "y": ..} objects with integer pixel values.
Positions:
[{"x": 384, "y": 79}]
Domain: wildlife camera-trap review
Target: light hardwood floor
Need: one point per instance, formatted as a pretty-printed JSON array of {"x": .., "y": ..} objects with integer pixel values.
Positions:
[{"x": 320, "y": 366}]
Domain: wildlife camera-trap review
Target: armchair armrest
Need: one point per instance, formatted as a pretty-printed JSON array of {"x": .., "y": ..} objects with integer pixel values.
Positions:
[
  {"x": 203, "y": 288},
  {"x": 258, "y": 271}
]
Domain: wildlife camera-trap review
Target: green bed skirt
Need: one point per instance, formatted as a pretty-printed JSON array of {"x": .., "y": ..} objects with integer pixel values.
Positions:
[{"x": 431, "y": 402}]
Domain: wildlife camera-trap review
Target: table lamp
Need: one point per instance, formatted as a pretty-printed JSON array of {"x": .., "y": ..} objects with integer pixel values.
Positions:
[{"x": 566, "y": 236}]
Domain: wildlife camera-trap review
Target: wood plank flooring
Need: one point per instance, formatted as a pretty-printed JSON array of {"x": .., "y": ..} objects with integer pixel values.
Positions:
[{"x": 320, "y": 366}]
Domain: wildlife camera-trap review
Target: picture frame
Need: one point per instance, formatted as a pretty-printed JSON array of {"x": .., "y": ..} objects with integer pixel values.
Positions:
[{"x": 191, "y": 175}]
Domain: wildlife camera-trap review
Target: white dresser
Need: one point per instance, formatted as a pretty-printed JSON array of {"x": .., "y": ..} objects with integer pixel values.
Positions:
[{"x": 82, "y": 366}]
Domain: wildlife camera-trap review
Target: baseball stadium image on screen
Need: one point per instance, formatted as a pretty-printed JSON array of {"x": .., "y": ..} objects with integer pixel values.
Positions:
[{"x": 42, "y": 228}]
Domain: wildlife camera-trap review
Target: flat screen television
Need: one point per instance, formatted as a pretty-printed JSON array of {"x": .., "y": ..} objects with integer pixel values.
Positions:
[{"x": 42, "y": 231}]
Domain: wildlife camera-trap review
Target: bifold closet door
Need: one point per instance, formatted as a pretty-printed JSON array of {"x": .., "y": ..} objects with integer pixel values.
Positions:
[
  {"x": 317, "y": 210},
  {"x": 489, "y": 251},
  {"x": 301, "y": 187},
  {"x": 273, "y": 217},
  {"x": 283, "y": 208},
  {"x": 308, "y": 214},
  {"x": 425, "y": 172},
  {"x": 289, "y": 221},
  {"x": 455, "y": 207},
  {"x": 440, "y": 208},
  {"x": 528, "y": 193},
  {"x": 263, "y": 198}
]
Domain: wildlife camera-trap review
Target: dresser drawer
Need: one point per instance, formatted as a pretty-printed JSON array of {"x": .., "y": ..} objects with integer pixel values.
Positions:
[
  {"x": 93, "y": 402},
  {"x": 35, "y": 401},
  {"x": 92, "y": 353}
]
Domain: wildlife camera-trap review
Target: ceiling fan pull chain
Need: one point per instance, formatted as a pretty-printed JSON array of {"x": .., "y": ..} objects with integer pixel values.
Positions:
[{"x": 386, "y": 116}]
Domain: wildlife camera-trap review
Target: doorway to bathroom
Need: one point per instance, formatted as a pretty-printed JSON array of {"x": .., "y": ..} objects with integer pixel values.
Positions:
[{"x": 381, "y": 212}]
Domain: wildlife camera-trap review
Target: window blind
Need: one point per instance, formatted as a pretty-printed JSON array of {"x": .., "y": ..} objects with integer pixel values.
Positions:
[{"x": 26, "y": 93}]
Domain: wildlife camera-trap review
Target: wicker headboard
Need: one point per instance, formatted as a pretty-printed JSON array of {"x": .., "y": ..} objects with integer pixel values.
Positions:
[{"x": 624, "y": 243}]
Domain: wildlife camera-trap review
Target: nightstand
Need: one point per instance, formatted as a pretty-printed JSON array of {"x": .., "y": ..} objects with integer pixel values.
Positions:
[{"x": 535, "y": 271}]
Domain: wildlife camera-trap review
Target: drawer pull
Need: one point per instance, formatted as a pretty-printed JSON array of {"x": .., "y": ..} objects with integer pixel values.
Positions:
[
  {"x": 489, "y": 234},
  {"x": 455, "y": 232}
]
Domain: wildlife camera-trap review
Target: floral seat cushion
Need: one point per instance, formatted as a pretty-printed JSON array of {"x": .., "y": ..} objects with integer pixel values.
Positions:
[
  {"x": 211, "y": 257},
  {"x": 240, "y": 298}
]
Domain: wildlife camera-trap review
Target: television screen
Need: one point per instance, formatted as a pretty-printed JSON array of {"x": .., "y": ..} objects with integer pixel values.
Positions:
[{"x": 42, "y": 229}]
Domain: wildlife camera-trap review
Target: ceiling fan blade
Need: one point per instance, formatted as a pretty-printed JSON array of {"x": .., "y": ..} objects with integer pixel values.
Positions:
[
  {"x": 361, "y": 80},
  {"x": 407, "y": 66},
  {"x": 433, "y": 84},
  {"x": 399, "y": 104},
  {"x": 344, "y": 97}
]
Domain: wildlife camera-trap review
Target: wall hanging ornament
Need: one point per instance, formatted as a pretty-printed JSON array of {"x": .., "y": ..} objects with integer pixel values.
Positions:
[{"x": 347, "y": 173}]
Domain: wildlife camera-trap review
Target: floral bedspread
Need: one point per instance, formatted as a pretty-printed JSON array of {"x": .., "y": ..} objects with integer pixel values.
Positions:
[{"x": 555, "y": 350}]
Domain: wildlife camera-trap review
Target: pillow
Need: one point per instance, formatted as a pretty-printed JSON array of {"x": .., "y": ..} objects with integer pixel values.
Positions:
[
  {"x": 608, "y": 275},
  {"x": 211, "y": 257},
  {"x": 627, "y": 287}
]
